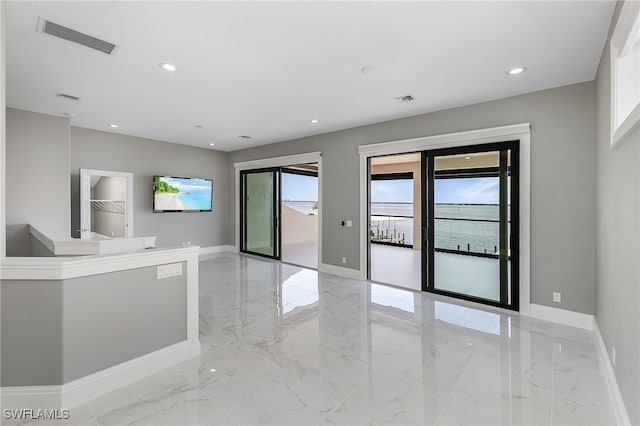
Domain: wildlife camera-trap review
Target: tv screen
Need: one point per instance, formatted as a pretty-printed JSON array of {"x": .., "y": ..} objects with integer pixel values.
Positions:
[{"x": 178, "y": 194}]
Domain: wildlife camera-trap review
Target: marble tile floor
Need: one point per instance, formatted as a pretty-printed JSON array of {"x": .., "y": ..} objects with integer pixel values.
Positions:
[{"x": 283, "y": 345}]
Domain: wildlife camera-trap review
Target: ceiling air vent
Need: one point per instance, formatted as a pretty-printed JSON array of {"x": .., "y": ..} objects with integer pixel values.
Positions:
[
  {"x": 405, "y": 98},
  {"x": 65, "y": 33},
  {"x": 65, "y": 96}
]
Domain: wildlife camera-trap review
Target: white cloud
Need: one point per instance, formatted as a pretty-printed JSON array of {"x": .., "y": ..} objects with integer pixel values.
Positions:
[
  {"x": 484, "y": 191},
  {"x": 391, "y": 191}
]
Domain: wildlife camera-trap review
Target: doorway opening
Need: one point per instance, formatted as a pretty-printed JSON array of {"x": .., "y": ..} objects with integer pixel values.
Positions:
[
  {"x": 394, "y": 230},
  {"x": 299, "y": 209},
  {"x": 106, "y": 203},
  {"x": 279, "y": 213},
  {"x": 447, "y": 221}
]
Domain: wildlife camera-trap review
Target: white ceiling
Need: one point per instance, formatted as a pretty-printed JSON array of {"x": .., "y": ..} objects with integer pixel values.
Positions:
[{"x": 265, "y": 69}]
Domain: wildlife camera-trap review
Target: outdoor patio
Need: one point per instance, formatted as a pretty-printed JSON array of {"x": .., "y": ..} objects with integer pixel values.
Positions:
[{"x": 400, "y": 266}]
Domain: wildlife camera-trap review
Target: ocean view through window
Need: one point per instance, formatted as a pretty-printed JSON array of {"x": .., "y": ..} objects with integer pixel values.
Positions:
[
  {"x": 466, "y": 212},
  {"x": 300, "y": 192},
  {"x": 392, "y": 210},
  {"x": 467, "y": 215}
]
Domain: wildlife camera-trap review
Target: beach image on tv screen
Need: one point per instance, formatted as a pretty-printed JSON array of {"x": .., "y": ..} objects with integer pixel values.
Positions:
[{"x": 181, "y": 194}]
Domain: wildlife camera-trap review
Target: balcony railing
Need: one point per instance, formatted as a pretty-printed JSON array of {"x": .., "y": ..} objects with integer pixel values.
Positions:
[
  {"x": 392, "y": 229},
  {"x": 479, "y": 237},
  {"x": 467, "y": 236}
]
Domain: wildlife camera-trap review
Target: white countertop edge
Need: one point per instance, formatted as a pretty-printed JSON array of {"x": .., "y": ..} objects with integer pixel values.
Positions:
[
  {"x": 99, "y": 244},
  {"x": 59, "y": 268}
]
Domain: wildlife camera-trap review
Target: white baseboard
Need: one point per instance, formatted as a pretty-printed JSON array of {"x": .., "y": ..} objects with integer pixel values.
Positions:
[
  {"x": 562, "y": 316},
  {"x": 206, "y": 253},
  {"x": 31, "y": 397},
  {"x": 340, "y": 271},
  {"x": 87, "y": 388},
  {"x": 622, "y": 417}
]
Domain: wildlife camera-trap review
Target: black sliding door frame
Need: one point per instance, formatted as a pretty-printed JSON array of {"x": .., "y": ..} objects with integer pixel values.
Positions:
[
  {"x": 277, "y": 205},
  {"x": 276, "y": 194},
  {"x": 509, "y": 241}
]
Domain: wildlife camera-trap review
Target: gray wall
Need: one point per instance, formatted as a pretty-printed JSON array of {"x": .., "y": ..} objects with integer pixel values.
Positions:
[
  {"x": 31, "y": 333},
  {"x": 54, "y": 332},
  {"x": 111, "y": 318},
  {"x": 562, "y": 182},
  {"x": 37, "y": 179},
  {"x": 618, "y": 250},
  {"x": 93, "y": 149}
]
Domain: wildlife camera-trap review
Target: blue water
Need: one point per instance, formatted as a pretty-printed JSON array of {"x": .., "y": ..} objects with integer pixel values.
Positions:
[
  {"x": 479, "y": 237},
  {"x": 196, "y": 199}
]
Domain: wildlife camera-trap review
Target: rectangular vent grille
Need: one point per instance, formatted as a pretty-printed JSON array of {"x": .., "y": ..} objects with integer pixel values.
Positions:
[
  {"x": 405, "y": 98},
  {"x": 71, "y": 97},
  {"x": 77, "y": 37}
]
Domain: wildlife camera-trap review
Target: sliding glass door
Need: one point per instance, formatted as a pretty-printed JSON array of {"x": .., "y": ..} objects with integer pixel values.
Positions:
[
  {"x": 260, "y": 212},
  {"x": 470, "y": 229}
]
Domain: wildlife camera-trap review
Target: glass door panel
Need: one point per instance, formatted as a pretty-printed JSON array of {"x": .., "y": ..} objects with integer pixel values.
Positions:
[
  {"x": 468, "y": 223},
  {"x": 260, "y": 213}
]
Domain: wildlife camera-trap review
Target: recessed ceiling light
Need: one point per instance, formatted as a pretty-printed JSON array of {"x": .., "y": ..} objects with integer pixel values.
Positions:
[
  {"x": 212, "y": 144},
  {"x": 113, "y": 126},
  {"x": 168, "y": 67},
  {"x": 314, "y": 121},
  {"x": 213, "y": 370},
  {"x": 516, "y": 70}
]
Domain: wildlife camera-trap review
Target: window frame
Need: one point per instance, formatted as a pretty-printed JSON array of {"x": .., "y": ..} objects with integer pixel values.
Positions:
[{"x": 624, "y": 36}]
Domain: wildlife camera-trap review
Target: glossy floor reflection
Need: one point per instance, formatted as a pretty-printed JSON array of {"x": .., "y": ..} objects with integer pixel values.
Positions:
[{"x": 283, "y": 345}]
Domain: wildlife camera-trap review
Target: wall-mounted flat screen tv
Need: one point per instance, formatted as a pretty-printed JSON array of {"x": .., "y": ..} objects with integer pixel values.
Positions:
[{"x": 179, "y": 194}]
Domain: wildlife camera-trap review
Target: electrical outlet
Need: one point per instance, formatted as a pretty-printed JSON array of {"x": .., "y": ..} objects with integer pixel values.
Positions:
[
  {"x": 613, "y": 355},
  {"x": 344, "y": 260},
  {"x": 557, "y": 297},
  {"x": 169, "y": 270}
]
